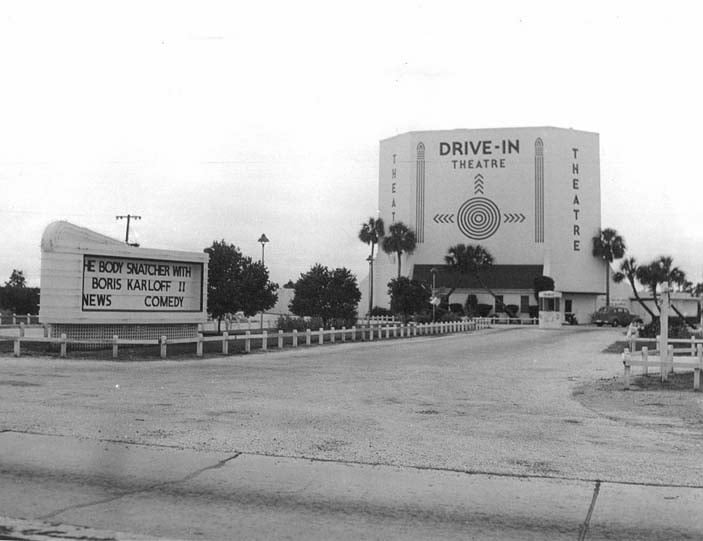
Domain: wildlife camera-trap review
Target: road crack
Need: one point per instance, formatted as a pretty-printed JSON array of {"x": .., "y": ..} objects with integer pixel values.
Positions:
[
  {"x": 583, "y": 528},
  {"x": 154, "y": 486}
]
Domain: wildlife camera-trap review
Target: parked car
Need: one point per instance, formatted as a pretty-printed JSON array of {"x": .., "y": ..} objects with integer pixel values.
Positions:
[{"x": 615, "y": 316}]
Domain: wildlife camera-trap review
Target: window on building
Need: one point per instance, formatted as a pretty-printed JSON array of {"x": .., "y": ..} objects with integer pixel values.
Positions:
[
  {"x": 524, "y": 303},
  {"x": 568, "y": 306}
]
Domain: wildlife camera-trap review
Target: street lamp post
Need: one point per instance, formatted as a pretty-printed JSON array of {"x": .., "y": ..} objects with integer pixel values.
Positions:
[
  {"x": 263, "y": 240},
  {"x": 434, "y": 270},
  {"x": 370, "y": 260}
]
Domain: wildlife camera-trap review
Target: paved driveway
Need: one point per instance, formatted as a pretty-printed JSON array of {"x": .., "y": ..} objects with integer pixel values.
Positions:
[
  {"x": 387, "y": 432},
  {"x": 499, "y": 401}
]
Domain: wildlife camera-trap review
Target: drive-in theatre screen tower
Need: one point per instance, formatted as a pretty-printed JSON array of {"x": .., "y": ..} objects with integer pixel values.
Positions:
[{"x": 530, "y": 196}]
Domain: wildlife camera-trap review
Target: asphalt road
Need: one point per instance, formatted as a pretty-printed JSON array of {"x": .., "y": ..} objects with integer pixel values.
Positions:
[{"x": 474, "y": 436}]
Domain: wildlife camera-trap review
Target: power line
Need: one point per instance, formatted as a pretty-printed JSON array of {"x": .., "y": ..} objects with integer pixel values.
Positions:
[{"x": 128, "y": 217}]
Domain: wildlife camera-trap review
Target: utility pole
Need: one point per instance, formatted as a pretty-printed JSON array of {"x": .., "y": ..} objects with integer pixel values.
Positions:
[{"x": 128, "y": 217}]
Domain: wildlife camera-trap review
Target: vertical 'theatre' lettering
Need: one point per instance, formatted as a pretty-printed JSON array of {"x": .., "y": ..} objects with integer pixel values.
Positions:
[
  {"x": 576, "y": 203},
  {"x": 394, "y": 175}
]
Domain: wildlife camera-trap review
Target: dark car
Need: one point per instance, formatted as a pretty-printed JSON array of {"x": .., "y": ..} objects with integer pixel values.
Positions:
[{"x": 615, "y": 316}]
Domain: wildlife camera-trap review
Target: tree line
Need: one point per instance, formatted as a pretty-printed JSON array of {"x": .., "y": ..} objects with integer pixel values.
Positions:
[
  {"x": 238, "y": 284},
  {"x": 16, "y": 297},
  {"x": 610, "y": 246}
]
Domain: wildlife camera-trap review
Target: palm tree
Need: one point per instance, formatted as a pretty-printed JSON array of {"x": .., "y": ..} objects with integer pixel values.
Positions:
[
  {"x": 472, "y": 260},
  {"x": 400, "y": 239},
  {"x": 661, "y": 271},
  {"x": 629, "y": 269},
  {"x": 608, "y": 246},
  {"x": 371, "y": 233},
  {"x": 650, "y": 276}
]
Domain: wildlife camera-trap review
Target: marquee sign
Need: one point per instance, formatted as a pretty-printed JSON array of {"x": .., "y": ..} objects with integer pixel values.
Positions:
[{"x": 122, "y": 284}]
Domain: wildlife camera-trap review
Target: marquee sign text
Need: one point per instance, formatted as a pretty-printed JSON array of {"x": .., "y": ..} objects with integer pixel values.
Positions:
[{"x": 115, "y": 284}]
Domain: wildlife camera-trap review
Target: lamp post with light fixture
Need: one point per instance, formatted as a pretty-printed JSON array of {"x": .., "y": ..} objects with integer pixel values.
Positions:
[{"x": 263, "y": 240}]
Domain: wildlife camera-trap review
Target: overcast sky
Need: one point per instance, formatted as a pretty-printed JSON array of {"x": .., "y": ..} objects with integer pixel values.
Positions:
[{"x": 227, "y": 120}]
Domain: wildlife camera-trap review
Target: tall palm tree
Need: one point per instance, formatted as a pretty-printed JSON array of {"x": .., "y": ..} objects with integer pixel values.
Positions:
[
  {"x": 608, "y": 246},
  {"x": 629, "y": 269},
  {"x": 472, "y": 260},
  {"x": 400, "y": 239},
  {"x": 371, "y": 233}
]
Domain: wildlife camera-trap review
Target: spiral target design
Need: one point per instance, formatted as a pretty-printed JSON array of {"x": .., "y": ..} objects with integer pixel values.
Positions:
[{"x": 478, "y": 218}]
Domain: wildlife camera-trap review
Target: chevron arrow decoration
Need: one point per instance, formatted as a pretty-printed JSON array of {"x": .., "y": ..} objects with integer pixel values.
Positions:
[
  {"x": 513, "y": 217},
  {"x": 443, "y": 218},
  {"x": 478, "y": 184}
]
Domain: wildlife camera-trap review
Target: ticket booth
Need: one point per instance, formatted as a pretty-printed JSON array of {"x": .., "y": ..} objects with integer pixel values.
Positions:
[{"x": 550, "y": 316}]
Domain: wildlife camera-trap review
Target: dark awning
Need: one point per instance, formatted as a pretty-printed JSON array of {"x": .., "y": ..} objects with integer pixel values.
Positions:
[{"x": 497, "y": 277}]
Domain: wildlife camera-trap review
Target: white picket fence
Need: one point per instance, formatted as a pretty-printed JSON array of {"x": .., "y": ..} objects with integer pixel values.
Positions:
[
  {"x": 249, "y": 340},
  {"x": 16, "y": 319}
]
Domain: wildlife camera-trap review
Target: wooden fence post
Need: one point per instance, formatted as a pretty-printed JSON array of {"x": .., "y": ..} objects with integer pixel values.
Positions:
[
  {"x": 308, "y": 336},
  {"x": 225, "y": 343},
  {"x": 280, "y": 339},
  {"x": 332, "y": 335},
  {"x": 697, "y": 370},
  {"x": 353, "y": 337},
  {"x": 164, "y": 341},
  {"x": 264, "y": 340},
  {"x": 22, "y": 330},
  {"x": 626, "y": 362},
  {"x": 321, "y": 336},
  {"x": 247, "y": 342},
  {"x": 645, "y": 359},
  {"x": 295, "y": 338},
  {"x": 664, "y": 328},
  {"x": 114, "y": 346},
  {"x": 16, "y": 347},
  {"x": 344, "y": 333},
  {"x": 63, "y": 345},
  {"x": 199, "y": 346},
  {"x": 46, "y": 330}
]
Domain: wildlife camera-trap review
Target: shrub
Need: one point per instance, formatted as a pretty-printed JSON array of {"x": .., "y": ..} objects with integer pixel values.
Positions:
[
  {"x": 484, "y": 310},
  {"x": 677, "y": 329},
  {"x": 471, "y": 305},
  {"x": 456, "y": 308},
  {"x": 423, "y": 318},
  {"x": 378, "y": 311},
  {"x": 513, "y": 310},
  {"x": 448, "y": 316},
  {"x": 288, "y": 323}
]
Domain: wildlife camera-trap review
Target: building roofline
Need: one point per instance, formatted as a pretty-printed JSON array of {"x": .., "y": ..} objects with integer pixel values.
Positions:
[{"x": 507, "y": 128}]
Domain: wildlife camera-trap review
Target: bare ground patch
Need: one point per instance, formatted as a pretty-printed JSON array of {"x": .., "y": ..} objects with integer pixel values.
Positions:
[{"x": 648, "y": 402}]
